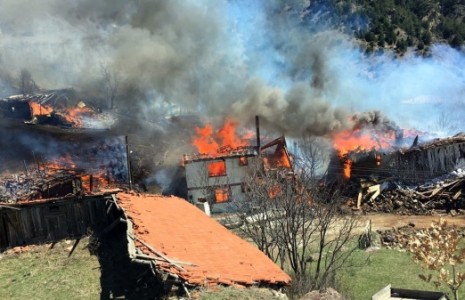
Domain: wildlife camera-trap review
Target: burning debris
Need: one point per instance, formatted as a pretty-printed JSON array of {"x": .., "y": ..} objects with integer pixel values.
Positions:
[
  {"x": 40, "y": 162},
  {"x": 442, "y": 196},
  {"x": 56, "y": 108},
  {"x": 422, "y": 179},
  {"x": 38, "y": 185}
]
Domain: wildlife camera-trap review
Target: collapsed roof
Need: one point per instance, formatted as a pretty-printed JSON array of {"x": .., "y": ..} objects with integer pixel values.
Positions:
[{"x": 188, "y": 244}]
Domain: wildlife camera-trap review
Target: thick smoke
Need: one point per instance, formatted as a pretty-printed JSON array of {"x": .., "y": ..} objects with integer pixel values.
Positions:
[
  {"x": 373, "y": 119},
  {"x": 215, "y": 58}
]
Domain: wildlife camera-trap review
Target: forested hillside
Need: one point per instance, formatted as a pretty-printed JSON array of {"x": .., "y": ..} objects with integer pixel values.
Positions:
[{"x": 398, "y": 24}]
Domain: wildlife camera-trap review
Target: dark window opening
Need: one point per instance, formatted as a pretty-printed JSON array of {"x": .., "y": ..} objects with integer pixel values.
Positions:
[{"x": 54, "y": 208}]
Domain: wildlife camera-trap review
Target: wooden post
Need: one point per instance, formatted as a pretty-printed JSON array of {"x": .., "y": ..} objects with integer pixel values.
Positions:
[
  {"x": 257, "y": 127},
  {"x": 129, "y": 164},
  {"x": 25, "y": 167}
]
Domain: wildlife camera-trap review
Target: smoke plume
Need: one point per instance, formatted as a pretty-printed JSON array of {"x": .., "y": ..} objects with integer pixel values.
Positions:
[{"x": 281, "y": 60}]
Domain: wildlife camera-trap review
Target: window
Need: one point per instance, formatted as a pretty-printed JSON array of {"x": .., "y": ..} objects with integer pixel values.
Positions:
[
  {"x": 221, "y": 195},
  {"x": 217, "y": 168},
  {"x": 243, "y": 161}
]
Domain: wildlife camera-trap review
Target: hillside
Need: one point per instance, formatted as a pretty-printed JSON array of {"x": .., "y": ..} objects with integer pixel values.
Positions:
[{"x": 397, "y": 24}]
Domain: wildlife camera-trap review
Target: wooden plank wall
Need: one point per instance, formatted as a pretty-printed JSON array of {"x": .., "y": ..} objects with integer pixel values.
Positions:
[
  {"x": 44, "y": 222},
  {"x": 424, "y": 164}
]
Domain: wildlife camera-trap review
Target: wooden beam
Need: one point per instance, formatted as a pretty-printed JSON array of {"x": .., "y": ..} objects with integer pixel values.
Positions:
[
  {"x": 156, "y": 252},
  {"x": 9, "y": 207},
  {"x": 150, "y": 257},
  {"x": 74, "y": 246}
]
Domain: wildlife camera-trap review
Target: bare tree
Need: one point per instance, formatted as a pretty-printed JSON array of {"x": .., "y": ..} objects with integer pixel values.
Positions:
[
  {"x": 26, "y": 85},
  {"x": 312, "y": 154},
  {"x": 445, "y": 122},
  {"x": 299, "y": 224},
  {"x": 111, "y": 82}
]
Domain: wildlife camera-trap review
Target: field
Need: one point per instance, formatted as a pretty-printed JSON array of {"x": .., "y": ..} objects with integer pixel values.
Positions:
[
  {"x": 46, "y": 272},
  {"x": 50, "y": 272}
]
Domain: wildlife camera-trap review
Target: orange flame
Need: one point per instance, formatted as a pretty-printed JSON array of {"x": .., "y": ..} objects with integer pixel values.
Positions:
[
  {"x": 348, "y": 141},
  {"x": 360, "y": 140},
  {"x": 40, "y": 109},
  {"x": 216, "y": 168},
  {"x": 72, "y": 115},
  {"x": 89, "y": 182},
  {"x": 75, "y": 115},
  {"x": 207, "y": 141},
  {"x": 347, "y": 168}
]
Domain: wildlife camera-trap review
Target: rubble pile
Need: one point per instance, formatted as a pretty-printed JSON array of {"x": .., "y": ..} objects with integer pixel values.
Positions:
[
  {"x": 443, "y": 195},
  {"x": 398, "y": 237},
  {"x": 38, "y": 185}
]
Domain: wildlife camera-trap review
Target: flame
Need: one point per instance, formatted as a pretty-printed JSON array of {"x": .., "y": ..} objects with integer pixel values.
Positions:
[
  {"x": 38, "y": 109},
  {"x": 208, "y": 141},
  {"x": 361, "y": 140},
  {"x": 217, "y": 168},
  {"x": 90, "y": 182},
  {"x": 73, "y": 115},
  {"x": 347, "y": 168},
  {"x": 76, "y": 115}
]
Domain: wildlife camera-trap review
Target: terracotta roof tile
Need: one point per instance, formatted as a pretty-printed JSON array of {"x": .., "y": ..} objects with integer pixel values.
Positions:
[{"x": 184, "y": 233}]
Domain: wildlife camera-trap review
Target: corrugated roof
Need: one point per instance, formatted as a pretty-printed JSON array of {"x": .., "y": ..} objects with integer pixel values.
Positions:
[{"x": 211, "y": 254}]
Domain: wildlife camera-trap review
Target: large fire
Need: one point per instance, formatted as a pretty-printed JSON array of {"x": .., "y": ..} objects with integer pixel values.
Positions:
[
  {"x": 360, "y": 140},
  {"x": 211, "y": 142},
  {"x": 350, "y": 141},
  {"x": 90, "y": 181},
  {"x": 73, "y": 115}
]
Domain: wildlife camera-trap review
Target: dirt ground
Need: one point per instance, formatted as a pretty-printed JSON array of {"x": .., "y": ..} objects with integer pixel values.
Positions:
[{"x": 388, "y": 221}]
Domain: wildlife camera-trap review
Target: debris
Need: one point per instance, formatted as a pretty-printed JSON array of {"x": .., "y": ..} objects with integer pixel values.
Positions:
[{"x": 430, "y": 198}]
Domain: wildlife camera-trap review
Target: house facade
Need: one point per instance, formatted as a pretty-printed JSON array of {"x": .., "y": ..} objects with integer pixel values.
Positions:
[{"x": 216, "y": 183}]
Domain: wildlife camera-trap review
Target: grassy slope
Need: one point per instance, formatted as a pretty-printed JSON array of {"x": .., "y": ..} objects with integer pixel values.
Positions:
[
  {"x": 44, "y": 273},
  {"x": 384, "y": 267}
]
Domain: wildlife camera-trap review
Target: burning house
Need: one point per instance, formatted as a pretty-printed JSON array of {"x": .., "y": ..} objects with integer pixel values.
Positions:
[
  {"x": 57, "y": 169},
  {"x": 215, "y": 176},
  {"x": 420, "y": 178}
]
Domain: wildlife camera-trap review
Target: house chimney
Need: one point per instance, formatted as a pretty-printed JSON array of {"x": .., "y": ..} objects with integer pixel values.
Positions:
[{"x": 257, "y": 126}]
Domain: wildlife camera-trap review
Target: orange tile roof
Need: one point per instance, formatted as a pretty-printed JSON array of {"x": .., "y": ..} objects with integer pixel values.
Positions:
[{"x": 182, "y": 232}]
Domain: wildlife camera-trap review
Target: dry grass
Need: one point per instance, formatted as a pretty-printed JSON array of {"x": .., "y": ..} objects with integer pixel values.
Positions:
[{"x": 43, "y": 272}]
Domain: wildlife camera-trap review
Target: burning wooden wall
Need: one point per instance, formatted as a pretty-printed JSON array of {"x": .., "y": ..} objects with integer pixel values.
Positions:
[
  {"x": 411, "y": 166},
  {"x": 50, "y": 220}
]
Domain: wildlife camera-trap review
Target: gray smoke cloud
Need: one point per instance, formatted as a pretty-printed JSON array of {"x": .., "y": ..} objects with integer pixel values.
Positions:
[
  {"x": 215, "y": 58},
  {"x": 191, "y": 53},
  {"x": 166, "y": 51}
]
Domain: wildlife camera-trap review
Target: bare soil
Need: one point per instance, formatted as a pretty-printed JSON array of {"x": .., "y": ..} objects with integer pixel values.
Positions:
[{"x": 389, "y": 221}]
